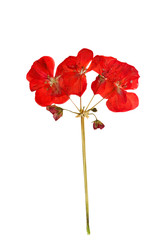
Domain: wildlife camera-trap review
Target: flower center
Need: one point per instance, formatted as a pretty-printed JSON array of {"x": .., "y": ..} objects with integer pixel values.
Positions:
[
  {"x": 101, "y": 79},
  {"x": 83, "y": 113},
  {"x": 83, "y": 70},
  {"x": 52, "y": 81},
  {"x": 118, "y": 84}
]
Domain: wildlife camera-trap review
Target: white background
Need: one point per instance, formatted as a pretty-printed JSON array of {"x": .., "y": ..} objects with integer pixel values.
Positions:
[{"x": 41, "y": 173}]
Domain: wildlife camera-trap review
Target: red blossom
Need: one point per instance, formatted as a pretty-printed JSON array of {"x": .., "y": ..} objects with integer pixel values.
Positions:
[
  {"x": 49, "y": 88},
  {"x": 114, "y": 79},
  {"x": 73, "y": 71},
  {"x": 69, "y": 79},
  {"x": 56, "y": 111}
]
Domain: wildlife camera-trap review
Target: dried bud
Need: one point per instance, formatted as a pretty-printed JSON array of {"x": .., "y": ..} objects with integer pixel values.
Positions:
[
  {"x": 56, "y": 111},
  {"x": 94, "y": 109},
  {"x": 98, "y": 124}
]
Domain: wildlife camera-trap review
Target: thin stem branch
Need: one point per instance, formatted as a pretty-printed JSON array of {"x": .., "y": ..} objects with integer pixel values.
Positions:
[
  {"x": 70, "y": 111},
  {"x": 93, "y": 96},
  {"x": 89, "y": 102},
  {"x": 74, "y": 104},
  {"x": 96, "y": 104},
  {"x": 80, "y": 103},
  {"x": 85, "y": 173},
  {"x": 93, "y": 115}
]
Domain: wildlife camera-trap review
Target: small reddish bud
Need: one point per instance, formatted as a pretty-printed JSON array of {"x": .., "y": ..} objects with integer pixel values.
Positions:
[
  {"x": 56, "y": 111},
  {"x": 98, "y": 124}
]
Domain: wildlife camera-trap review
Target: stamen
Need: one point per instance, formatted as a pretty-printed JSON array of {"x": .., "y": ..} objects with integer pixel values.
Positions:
[
  {"x": 52, "y": 81},
  {"x": 83, "y": 70}
]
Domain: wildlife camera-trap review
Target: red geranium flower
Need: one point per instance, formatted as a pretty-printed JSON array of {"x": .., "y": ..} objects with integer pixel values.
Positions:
[
  {"x": 49, "y": 89},
  {"x": 114, "y": 79},
  {"x": 69, "y": 78},
  {"x": 73, "y": 70}
]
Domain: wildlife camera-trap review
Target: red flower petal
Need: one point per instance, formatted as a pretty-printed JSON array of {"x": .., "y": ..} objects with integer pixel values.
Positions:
[
  {"x": 121, "y": 95},
  {"x": 35, "y": 84},
  {"x": 74, "y": 83},
  {"x": 101, "y": 64},
  {"x": 84, "y": 57},
  {"x": 102, "y": 87},
  {"x": 116, "y": 105},
  {"x": 60, "y": 99},
  {"x": 79, "y": 86},
  {"x": 68, "y": 65},
  {"x": 39, "y": 72},
  {"x": 47, "y": 95},
  {"x": 124, "y": 74},
  {"x": 76, "y": 64}
]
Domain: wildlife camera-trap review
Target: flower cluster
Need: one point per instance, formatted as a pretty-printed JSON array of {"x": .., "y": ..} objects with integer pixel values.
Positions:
[{"x": 112, "y": 82}]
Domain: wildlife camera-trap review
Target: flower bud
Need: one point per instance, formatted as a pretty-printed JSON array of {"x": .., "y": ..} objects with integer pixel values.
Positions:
[
  {"x": 94, "y": 109},
  {"x": 56, "y": 111},
  {"x": 98, "y": 124}
]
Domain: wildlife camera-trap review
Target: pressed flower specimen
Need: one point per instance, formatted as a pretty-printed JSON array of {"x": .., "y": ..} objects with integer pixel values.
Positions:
[{"x": 112, "y": 83}]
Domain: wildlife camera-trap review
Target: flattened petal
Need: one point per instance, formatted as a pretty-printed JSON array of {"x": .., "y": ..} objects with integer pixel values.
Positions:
[
  {"x": 101, "y": 64},
  {"x": 79, "y": 86},
  {"x": 84, "y": 57},
  {"x": 35, "y": 84},
  {"x": 41, "y": 68},
  {"x": 60, "y": 99},
  {"x": 68, "y": 65},
  {"x": 103, "y": 87},
  {"x": 121, "y": 95},
  {"x": 39, "y": 72},
  {"x": 43, "y": 96},
  {"x": 74, "y": 83},
  {"x": 116, "y": 105},
  {"x": 130, "y": 77},
  {"x": 126, "y": 75},
  {"x": 47, "y": 95}
]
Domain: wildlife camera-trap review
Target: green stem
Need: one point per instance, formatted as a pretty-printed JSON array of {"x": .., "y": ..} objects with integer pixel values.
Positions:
[{"x": 85, "y": 173}]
